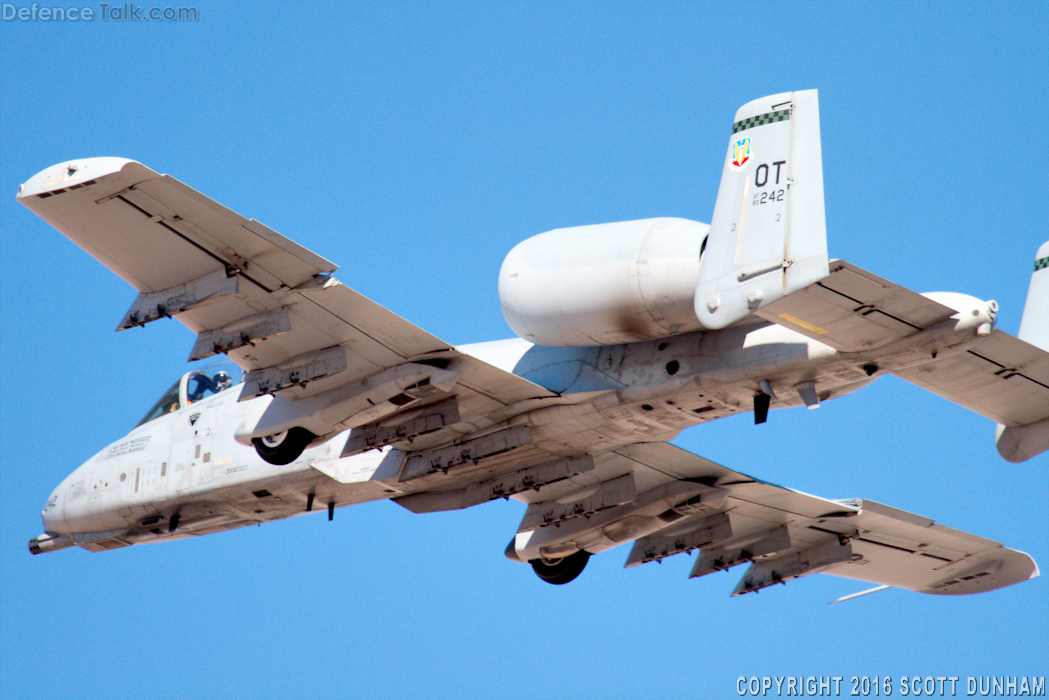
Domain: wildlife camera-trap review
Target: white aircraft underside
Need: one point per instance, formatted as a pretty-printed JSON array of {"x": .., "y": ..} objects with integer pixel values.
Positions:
[{"x": 631, "y": 333}]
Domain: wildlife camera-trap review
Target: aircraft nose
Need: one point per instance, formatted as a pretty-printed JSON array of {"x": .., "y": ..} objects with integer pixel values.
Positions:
[
  {"x": 53, "y": 514},
  {"x": 49, "y": 517}
]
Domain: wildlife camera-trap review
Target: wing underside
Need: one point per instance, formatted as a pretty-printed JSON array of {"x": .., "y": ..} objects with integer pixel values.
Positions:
[
  {"x": 330, "y": 358},
  {"x": 785, "y": 534}
]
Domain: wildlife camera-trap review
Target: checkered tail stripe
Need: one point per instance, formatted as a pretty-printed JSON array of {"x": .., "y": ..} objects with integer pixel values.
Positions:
[{"x": 781, "y": 115}]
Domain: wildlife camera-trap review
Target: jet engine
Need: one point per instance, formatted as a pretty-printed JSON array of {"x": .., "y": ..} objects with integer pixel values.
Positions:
[{"x": 605, "y": 284}]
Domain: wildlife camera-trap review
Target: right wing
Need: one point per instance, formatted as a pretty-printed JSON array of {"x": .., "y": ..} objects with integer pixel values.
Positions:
[
  {"x": 330, "y": 358},
  {"x": 786, "y": 534}
]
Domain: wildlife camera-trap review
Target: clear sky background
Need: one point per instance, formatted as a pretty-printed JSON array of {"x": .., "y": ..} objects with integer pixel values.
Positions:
[{"x": 414, "y": 144}]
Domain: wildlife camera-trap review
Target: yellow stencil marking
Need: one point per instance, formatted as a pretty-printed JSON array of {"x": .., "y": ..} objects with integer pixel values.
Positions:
[{"x": 802, "y": 324}]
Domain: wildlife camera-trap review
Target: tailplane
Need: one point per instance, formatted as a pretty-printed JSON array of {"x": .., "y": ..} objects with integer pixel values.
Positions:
[{"x": 1020, "y": 443}]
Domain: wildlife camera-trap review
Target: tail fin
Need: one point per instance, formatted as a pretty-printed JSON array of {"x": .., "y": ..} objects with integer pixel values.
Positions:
[
  {"x": 1025, "y": 441},
  {"x": 1034, "y": 326},
  {"x": 768, "y": 236}
]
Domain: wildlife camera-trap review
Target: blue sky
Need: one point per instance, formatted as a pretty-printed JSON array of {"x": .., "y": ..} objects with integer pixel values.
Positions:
[{"x": 414, "y": 144}]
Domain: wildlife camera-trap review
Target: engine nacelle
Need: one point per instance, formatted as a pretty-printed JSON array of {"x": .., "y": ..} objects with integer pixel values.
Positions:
[{"x": 605, "y": 284}]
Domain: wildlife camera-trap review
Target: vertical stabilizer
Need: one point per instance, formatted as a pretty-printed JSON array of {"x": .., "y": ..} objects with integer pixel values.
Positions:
[
  {"x": 768, "y": 236},
  {"x": 1023, "y": 442},
  {"x": 1034, "y": 326}
]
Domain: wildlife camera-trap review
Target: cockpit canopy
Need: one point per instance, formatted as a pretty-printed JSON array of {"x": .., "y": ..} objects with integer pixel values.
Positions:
[{"x": 195, "y": 385}]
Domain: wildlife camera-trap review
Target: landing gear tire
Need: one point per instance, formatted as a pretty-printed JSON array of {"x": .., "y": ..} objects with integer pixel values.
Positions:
[
  {"x": 283, "y": 448},
  {"x": 563, "y": 570}
]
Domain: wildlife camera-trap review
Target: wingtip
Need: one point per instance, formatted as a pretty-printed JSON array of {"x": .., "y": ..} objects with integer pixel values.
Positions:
[
  {"x": 70, "y": 174},
  {"x": 1035, "y": 573}
]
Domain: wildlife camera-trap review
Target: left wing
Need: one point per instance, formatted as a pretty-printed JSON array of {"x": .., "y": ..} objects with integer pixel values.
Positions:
[
  {"x": 331, "y": 358},
  {"x": 732, "y": 518}
]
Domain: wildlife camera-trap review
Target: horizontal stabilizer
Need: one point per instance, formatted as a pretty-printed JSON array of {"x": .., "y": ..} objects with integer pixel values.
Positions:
[
  {"x": 952, "y": 352},
  {"x": 1002, "y": 378},
  {"x": 853, "y": 310}
]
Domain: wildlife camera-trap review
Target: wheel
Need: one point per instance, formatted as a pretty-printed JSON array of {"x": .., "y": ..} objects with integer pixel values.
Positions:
[
  {"x": 563, "y": 570},
  {"x": 283, "y": 448}
]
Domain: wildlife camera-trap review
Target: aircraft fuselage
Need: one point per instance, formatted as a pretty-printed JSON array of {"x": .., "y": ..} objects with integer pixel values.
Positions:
[{"x": 183, "y": 474}]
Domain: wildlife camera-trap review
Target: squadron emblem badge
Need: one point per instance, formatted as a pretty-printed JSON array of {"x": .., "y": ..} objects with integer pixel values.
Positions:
[{"x": 740, "y": 154}]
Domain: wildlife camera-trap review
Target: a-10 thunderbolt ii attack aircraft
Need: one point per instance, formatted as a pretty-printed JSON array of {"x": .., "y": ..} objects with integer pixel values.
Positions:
[{"x": 630, "y": 332}]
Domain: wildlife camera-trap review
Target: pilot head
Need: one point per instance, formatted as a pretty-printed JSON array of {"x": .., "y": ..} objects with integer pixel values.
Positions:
[{"x": 222, "y": 381}]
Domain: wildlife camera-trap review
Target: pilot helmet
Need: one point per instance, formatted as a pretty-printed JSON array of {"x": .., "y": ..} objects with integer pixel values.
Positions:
[{"x": 222, "y": 380}]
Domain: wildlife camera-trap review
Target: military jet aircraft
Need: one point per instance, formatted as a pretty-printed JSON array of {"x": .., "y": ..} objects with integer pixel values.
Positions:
[{"x": 629, "y": 333}]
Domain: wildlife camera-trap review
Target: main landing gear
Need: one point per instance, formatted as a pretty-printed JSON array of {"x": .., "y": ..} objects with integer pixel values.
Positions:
[
  {"x": 563, "y": 570},
  {"x": 285, "y": 447}
]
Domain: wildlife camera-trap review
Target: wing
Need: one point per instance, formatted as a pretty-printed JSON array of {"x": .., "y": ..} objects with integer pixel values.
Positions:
[
  {"x": 330, "y": 358},
  {"x": 1000, "y": 377},
  {"x": 732, "y": 518}
]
